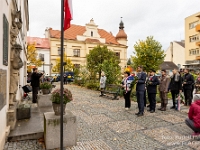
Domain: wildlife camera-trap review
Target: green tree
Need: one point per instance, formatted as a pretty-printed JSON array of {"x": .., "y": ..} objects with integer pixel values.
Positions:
[
  {"x": 149, "y": 54},
  {"x": 96, "y": 58},
  {"x": 32, "y": 57},
  {"x": 129, "y": 61},
  {"x": 67, "y": 67},
  {"x": 112, "y": 70}
]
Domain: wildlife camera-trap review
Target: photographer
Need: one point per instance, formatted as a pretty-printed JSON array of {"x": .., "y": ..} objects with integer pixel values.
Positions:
[{"x": 35, "y": 83}]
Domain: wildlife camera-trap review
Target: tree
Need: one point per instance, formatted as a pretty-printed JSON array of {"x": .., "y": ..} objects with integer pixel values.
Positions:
[
  {"x": 96, "y": 58},
  {"x": 149, "y": 54},
  {"x": 68, "y": 67},
  {"x": 129, "y": 61},
  {"x": 32, "y": 57},
  {"x": 112, "y": 70}
]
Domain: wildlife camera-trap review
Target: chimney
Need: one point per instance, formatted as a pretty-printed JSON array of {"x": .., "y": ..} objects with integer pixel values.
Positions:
[{"x": 47, "y": 32}]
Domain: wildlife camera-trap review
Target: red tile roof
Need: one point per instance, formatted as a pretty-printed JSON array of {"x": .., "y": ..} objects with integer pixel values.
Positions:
[
  {"x": 75, "y": 30},
  {"x": 39, "y": 42}
]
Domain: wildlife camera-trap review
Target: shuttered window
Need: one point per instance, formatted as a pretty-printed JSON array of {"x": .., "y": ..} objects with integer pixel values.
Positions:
[{"x": 5, "y": 41}]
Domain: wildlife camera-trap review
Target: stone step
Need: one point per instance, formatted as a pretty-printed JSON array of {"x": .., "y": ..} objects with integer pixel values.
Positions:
[{"x": 28, "y": 129}]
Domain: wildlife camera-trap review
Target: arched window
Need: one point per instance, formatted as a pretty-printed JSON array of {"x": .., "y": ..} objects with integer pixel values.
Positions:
[{"x": 91, "y": 33}]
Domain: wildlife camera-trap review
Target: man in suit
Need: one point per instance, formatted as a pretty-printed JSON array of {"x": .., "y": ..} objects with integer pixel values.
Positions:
[
  {"x": 163, "y": 89},
  {"x": 152, "y": 83},
  {"x": 140, "y": 89}
]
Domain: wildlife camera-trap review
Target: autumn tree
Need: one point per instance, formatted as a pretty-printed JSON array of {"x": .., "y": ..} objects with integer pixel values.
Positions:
[
  {"x": 67, "y": 67},
  {"x": 96, "y": 58},
  {"x": 32, "y": 57},
  {"x": 148, "y": 53}
]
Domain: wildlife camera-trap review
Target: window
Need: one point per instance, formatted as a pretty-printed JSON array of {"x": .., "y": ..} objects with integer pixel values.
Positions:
[
  {"x": 41, "y": 57},
  {"x": 193, "y": 25},
  {"x": 194, "y": 51},
  {"x": 118, "y": 54},
  {"x": 77, "y": 65},
  {"x": 91, "y": 33},
  {"x": 76, "y": 52},
  {"x": 5, "y": 40},
  {"x": 59, "y": 50},
  {"x": 194, "y": 38}
]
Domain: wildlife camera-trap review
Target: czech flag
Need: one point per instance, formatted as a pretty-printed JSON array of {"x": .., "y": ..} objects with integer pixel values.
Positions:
[{"x": 68, "y": 13}]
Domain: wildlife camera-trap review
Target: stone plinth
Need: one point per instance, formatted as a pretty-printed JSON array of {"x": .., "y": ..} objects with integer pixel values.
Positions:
[
  {"x": 44, "y": 100},
  {"x": 12, "y": 115},
  {"x": 52, "y": 130}
]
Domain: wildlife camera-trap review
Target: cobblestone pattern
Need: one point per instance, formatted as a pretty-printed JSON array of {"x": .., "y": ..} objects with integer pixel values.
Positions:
[{"x": 104, "y": 124}]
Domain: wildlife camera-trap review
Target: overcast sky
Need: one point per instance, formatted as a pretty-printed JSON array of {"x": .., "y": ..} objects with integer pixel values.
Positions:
[{"x": 163, "y": 19}]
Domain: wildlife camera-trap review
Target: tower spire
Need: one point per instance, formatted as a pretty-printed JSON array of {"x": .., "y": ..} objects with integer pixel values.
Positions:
[{"x": 121, "y": 24}]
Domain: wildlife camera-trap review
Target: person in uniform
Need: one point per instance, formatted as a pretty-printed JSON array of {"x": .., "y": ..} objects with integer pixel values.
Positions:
[
  {"x": 140, "y": 90},
  {"x": 151, "y": 85}
]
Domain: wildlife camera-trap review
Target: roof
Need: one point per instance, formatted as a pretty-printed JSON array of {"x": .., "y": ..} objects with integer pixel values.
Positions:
[
  {"x": 168, "y": 65},
  {"x": 180, "y": 43},
  {"x": 74, "y": 30},
  {"x": 39, "y": 42},
  {"x": 121, "y": 34}
]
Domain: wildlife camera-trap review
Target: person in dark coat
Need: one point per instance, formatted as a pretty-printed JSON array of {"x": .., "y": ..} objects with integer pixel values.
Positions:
[
  {"x": 35, "y": 83},
  {"x": 175, "y": 86},
  {"x": 152, "y": 83},
  {"x": 188, "y": 82},
  {"x": 140, "y": 89}
]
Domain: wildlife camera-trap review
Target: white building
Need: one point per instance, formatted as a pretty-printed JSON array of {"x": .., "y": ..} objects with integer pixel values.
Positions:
[
  {"x": 176, "y": 53},
  {"x": 14, "y": 24},
  {"x": 42, "y": 46}
]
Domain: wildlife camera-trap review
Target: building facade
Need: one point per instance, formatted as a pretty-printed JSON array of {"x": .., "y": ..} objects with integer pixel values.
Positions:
[
  {"x": 192, "y": 41},
  {"x": 13, "y": 28},
  {"x": 176, "y": 53},
  {"x": 43, "y": 49},
  {"x": 79, "y": 40}
]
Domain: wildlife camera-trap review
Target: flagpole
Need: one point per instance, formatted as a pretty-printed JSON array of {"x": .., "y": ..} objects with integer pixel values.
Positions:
[{"x": 61, "y": 75}]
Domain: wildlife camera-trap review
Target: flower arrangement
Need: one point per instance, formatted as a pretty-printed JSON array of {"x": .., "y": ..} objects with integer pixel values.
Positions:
[
  {"x": 56, "y": 94},
  {"x": 134, "y": 81},
  {"x": 45, "y": 85}
]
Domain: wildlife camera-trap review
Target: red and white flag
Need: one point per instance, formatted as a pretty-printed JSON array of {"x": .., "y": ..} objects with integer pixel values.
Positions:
[{"x": 68, "y": 13}]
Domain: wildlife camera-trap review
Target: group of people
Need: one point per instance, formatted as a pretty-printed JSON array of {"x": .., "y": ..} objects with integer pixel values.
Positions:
[
  {"x": 67, "y": 78},
  {"x": 176, "y": 84}
]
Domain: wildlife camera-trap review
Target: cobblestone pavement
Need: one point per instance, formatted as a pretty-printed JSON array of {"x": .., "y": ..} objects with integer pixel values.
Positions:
[{"x": 104, "y": 124}]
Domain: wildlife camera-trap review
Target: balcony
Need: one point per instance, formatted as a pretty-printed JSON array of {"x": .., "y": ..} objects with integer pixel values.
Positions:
[
  {"x": 198, "y": 28},
  {"x": 198, "y": 43},
  {"x": 197, "y": 57}
]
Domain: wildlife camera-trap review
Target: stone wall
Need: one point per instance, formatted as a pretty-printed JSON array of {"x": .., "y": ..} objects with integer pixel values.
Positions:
[{"x": 3, "y": 88}]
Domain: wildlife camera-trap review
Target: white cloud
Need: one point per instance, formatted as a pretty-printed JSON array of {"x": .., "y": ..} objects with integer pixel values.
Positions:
[{"x": 163, "y": 19}]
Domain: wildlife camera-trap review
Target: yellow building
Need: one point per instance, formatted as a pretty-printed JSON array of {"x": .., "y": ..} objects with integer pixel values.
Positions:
[
  {"x": 192, "y": 41},
  {"x": 79, "y": 40}
]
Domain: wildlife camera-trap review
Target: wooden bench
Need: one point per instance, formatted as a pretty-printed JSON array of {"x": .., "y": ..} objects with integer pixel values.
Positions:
[{"x": 113, "y": 90}]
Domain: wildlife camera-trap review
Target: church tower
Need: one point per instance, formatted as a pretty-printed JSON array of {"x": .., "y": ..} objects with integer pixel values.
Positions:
[{"x": 121, "y": 36}]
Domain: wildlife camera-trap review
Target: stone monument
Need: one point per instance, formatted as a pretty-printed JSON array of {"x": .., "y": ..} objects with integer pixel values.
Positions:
[{"x": 15, "y": 65}]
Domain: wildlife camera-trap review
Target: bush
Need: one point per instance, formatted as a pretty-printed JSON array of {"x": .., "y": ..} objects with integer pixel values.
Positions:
[
  {"x": 94, "y": 86},
  {"x": 46, "y": 85}
]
